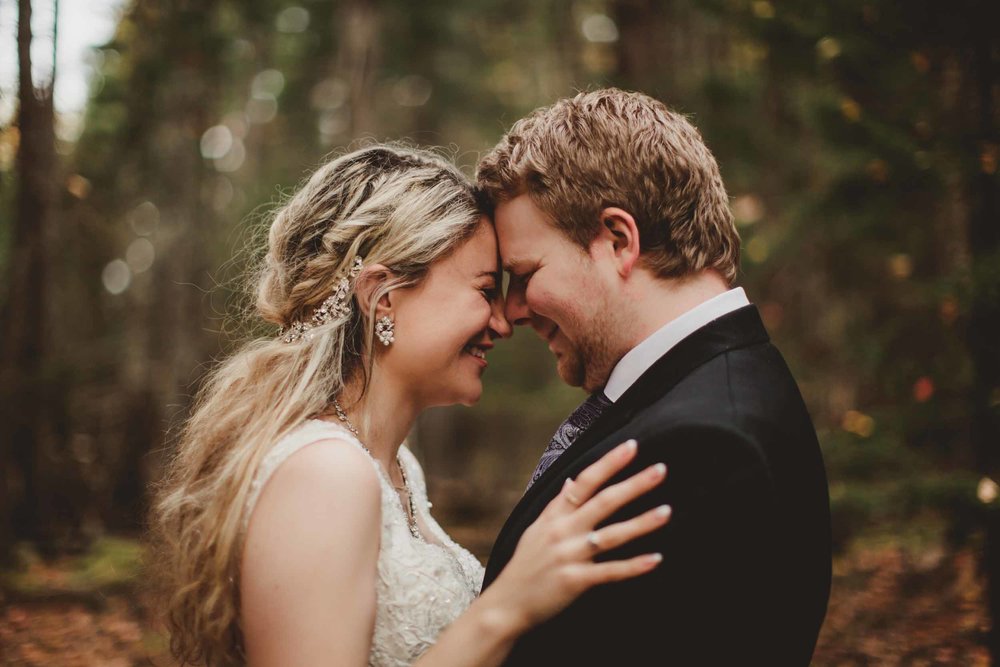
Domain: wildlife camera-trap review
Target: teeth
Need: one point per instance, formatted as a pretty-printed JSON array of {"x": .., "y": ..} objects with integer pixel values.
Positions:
[{"x": 477, "y": 352}]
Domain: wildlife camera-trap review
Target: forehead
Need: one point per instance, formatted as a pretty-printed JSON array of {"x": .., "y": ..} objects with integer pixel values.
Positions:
[
  {"x": 524, "y": 231},
  {"x": 477, "y": 254}
]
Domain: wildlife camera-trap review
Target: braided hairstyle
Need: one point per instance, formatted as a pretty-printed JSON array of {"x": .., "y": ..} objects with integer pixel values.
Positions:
[{"x": 400, "y": 207}]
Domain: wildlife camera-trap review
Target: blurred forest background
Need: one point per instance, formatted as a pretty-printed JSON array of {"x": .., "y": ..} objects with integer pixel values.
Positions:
[{"x": 860, "y": 143}]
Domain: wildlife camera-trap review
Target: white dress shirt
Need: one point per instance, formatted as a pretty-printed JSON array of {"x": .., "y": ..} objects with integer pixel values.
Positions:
[{"x": 638, "y": 360}]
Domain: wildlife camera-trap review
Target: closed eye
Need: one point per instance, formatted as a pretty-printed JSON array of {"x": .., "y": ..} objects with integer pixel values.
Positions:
[
  {"x": 520, "y": 280},
  {"x": 490, "y": 292}
]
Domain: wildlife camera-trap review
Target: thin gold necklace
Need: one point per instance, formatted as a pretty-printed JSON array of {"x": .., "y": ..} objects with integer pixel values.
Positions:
[{"x": 411, "y": 513}]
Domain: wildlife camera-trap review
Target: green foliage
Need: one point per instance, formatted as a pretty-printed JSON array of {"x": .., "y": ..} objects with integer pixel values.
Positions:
[
  {"x": 109, "y": 563},
  {"x": 841, "y": 130}
]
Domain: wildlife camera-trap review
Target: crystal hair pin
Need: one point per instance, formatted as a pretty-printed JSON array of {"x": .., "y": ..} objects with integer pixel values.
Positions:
[{"x": 335, "y": 306}]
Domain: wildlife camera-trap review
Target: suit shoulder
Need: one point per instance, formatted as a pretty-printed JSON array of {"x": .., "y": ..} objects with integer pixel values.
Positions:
[{"x": 721, "y": 432}]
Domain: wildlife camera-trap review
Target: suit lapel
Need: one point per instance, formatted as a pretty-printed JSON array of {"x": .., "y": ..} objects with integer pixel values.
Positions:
[{"x": 740, "y": 328}]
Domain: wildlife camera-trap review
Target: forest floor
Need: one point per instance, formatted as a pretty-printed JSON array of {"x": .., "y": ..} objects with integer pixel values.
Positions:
[{"x": 890, "y": 605}]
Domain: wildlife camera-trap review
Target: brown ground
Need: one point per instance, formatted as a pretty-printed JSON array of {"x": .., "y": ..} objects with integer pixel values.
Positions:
[{"x": 887, "y": 608}]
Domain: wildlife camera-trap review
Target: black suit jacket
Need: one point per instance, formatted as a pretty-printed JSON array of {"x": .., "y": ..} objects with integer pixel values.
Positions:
[{"x": 745, "y": 577}]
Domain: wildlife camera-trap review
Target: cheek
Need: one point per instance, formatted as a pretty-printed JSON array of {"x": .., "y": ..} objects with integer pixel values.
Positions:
[
  {"x": 544, "y": 299},
  {"x": 537, "y": 297},
  {"x": 451, "y": 334},
  {"x": 475, "y": 319}
]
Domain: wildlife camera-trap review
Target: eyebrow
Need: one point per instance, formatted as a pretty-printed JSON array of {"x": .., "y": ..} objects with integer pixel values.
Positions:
[{"x": 511, "y": 265}]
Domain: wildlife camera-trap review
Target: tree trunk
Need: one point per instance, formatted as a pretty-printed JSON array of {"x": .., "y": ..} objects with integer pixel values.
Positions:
[
  {"x": 984, "y": 321},
  {"x": 358, "y": 59},
  {"x": 641, "y": 27},
  {"x": 22, "y": 348}
]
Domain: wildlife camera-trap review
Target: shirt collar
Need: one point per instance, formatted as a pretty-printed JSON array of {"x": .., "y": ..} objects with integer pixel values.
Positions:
[{"x": 638, "y": 360}]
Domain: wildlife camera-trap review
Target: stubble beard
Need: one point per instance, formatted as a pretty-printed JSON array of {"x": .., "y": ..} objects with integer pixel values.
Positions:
[{"x": 589, "y": 360}]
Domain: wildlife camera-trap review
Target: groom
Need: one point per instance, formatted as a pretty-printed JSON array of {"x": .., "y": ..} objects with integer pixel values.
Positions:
[{"x": 614, "y": 225}]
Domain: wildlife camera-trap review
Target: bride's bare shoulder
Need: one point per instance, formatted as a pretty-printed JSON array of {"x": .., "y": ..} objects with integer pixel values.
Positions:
[
  {"x": 329, "y": 479},
  {"x": 310, "y": 553}
]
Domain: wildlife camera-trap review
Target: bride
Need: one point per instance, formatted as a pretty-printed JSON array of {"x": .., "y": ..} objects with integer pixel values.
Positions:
[{"x": 292, "y": 526}]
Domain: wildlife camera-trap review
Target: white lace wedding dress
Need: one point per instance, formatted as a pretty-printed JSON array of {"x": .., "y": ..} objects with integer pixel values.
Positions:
[{"x": 422, "y": 585}]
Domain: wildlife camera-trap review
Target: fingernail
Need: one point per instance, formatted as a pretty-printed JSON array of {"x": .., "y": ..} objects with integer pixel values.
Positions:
[
  {"x": 654, "y": 559},
  {"x": 629, "y": 446},
  {"x": 660, "y": 469},
  {"x": 664, "y": 511},
  {"x": 567, "y": 482}
]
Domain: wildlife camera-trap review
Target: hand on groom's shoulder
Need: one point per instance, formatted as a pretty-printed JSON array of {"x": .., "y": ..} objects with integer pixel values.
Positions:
[{"x": 727, "y": 553}]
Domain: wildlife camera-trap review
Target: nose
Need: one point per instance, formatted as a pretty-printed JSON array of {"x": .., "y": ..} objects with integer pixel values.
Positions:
[
  {"x": 499, "y": 326},
  {"x": 516, "y": 306}
]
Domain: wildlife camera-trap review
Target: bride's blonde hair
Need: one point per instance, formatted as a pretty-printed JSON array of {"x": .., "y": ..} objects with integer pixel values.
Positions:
[{"x": 399, "y": 207}]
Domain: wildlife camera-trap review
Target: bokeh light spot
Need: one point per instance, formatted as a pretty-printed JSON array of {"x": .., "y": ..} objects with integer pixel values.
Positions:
[
  {"x": 828, "y": 48},
  {"x": 140, "y": 255},
  {"x": 920, "y": 61},
  {"x": 262, "y": 110},
  {"x": 78, "y": 186},
  {"x": 948, "y": 310},
  {"x": 858, "y": 423},
  {"x": 748, "y": 209},
  {"x": 267, "y": 83},
  {"x": 334, "y": 122},
  {"x": 923, "y": 389},
  {"x": 144, "y": 218},
  {"x": 216, "y": 142},
  {"x": 116, "y": 276},
  {"x": 987, "y": 490},
  {"x": 329, "y": 93},
  {"x": 850, "y": 109},
  {"x": 599, "y": 28},
  {"x": 233, "y": 159},
  {"x": 988, "y": 158},
  {"x": 412, "y": 91},
  {"x": 292, "y": 20},
  {"x": 763, "y": 9},
  {"x": 900, "y": 266}
]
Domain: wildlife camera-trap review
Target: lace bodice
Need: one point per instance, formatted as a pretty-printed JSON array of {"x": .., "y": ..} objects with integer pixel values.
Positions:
[{"x": 422, "y": 586}]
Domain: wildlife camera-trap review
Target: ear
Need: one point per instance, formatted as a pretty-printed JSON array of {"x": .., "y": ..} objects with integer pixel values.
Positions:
[
  {"x": 617, "y": 239},
  {"x": 368, "y": 284}
]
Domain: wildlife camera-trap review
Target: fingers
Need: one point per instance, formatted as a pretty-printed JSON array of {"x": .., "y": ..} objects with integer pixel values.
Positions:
[
  {"x": 607, "y": 538},
  {"x": 568, "y": 495},
  {"x": 596, "y": 474},
  {"x": 613, "y": 498},
  {"x": 618, "y": 570},
  {"x": 617, "y": 534}
]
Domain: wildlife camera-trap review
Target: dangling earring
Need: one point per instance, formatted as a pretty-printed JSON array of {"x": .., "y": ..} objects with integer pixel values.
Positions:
[{"x": 384, "y": 329}]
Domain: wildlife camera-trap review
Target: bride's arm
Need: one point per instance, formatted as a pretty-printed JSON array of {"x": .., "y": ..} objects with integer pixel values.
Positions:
[
  {"x": 308, "y": 573},
  {"x": 553, "y": 564},
  {"x": 309, "y": 565}
]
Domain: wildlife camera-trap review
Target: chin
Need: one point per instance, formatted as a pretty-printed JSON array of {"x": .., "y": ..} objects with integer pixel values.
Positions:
[
  {"x": 570, "y": 370},
  {"x": 467, "y": 396},
  {"x": 469, "y": 401},
  {"x": 474, "y": 395}
]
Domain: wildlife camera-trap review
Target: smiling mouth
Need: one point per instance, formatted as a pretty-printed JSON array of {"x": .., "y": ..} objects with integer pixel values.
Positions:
[{"x": 477, "y": 351}]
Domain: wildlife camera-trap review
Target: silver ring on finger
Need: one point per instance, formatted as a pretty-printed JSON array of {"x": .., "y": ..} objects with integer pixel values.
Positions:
[{"x": 594, "y": 540}]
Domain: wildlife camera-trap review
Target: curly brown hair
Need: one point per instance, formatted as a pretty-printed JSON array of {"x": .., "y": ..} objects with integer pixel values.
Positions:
[{"x": 610, "y": 147}]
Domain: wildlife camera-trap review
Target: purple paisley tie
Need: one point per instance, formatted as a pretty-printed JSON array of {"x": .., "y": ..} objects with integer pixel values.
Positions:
[{"x": 570, "y": 430}]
